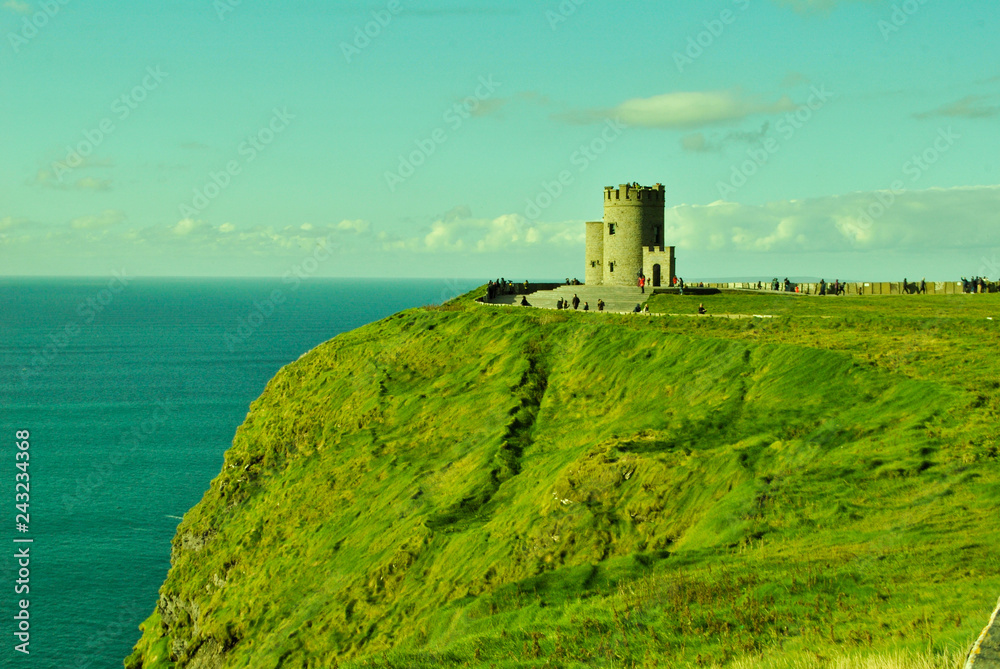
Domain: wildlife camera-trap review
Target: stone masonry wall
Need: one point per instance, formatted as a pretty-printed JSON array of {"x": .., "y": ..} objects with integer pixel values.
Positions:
[
  {"x": 594, "y": 274},
  {"x": 637, "y": 217},
  {"x": 664, "y": 257},
  {"x": 856, "y": 288}
]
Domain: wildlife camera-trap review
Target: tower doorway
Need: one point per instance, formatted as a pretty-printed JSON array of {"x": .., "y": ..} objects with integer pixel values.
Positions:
[{"x": 656, "y": 275}]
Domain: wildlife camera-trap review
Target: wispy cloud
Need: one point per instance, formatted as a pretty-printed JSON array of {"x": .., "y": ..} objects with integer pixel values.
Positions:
[
  {"x": 460, "y": 231},
  {"x": 684, "y": 109},
  {"x": 700, "y": 142},
  {"x": 490, "y": 106},
  {"x": 793, "y": 79},
  {"x": 256, "y": 240},
  {"x": 358, "y": 226},
  {"x": 47, "y": 179},
  {"x": 9, "y": 223},
  {"x": 493, "y": 106},
  {"x": 814, "y": 6},
  {"x": 365, "y": 10},
  {"x": 18, "y": 7},
  {"x": 971, "y": 106},
  {"x": 837, "y": 223},
  {"x": 443, "y": 12},
  {"x": 105, "y": 219},
  {"x": 92, "y": 183},
  {"x": 817, "y": 225},
  {"x": 111, "y": 230}
]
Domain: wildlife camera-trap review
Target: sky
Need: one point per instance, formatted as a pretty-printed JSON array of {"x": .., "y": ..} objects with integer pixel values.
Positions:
[{"x": 851, "y": 139}]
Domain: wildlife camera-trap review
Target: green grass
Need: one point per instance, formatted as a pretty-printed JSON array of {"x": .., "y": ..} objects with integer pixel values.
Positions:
[{"x": 476, "y": 486}]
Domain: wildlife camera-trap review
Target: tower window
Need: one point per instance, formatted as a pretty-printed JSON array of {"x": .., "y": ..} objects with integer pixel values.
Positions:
[
  {"x": 611, "y": 266},
  {"x": 593, "y": 263},
  {"x": 611, "y": 228}
]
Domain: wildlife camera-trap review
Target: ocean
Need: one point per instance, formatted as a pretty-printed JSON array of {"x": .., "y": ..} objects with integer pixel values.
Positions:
[{"x": 131, "y": 391}]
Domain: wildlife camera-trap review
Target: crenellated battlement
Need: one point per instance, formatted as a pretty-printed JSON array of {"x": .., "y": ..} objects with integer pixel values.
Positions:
[{"x": 634, "y": 195}]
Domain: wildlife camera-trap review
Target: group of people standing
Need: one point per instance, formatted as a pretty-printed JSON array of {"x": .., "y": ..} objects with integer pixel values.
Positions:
[
  {"x": 785, "y": 286},
  {"x": 835, "y": 288},
  {"x": 574, "y": 303},
  {"x": 501, "y": 287},
  {"x": 976, "y": 284}
]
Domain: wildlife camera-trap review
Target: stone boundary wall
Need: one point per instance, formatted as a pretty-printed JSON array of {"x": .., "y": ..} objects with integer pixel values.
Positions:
[{"x": 854, "y": 287}]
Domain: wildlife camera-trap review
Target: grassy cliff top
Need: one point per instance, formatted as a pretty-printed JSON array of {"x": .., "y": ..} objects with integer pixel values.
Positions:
[{"x": 477, "y": 486}]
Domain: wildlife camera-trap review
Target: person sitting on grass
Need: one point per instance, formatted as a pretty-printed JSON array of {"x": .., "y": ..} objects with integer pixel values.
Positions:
[
  {"x": 638, "y": 308},
  {"x": 701, "y": 310},
  {"x": 524, "y": 301},
  {"x": 645, "y": 308}
]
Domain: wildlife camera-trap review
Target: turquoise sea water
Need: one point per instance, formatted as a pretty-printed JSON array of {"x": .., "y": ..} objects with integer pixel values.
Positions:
[{"x": 131, "y": 393}]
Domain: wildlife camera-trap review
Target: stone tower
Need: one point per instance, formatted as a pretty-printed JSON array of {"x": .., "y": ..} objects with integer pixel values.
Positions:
[{"x": 630, "y": 239}]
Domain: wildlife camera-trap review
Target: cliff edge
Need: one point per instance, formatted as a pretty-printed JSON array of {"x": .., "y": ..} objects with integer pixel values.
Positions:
[{"x": 510, "y": 487}]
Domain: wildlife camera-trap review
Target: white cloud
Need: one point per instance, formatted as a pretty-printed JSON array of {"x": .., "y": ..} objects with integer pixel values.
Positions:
[
  {"x": 860, "y": 225},
  {"x": 9, "y": 222},
  {"x": 105, "y": 219},
  {"x": 47, "y": 179},
  {"x": 186, "y": 226},
  {"x": 357, "y": 226},
  {"x": 971, "y": 106},
  {"x": 92, "y": 183},
  {"x": 184, "y": 241},
  {"x": 202, "y": 237},
  {"x": 17, "y": 7},
  {"x": 917, "y": 220},
  {"x": 459, "y": 231},
  {"x": 679, "y": 110},
  {"x": 684, "y": 109}
]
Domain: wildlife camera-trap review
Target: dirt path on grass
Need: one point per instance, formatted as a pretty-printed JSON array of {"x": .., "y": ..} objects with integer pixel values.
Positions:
[{"x": 986, "y": 651}]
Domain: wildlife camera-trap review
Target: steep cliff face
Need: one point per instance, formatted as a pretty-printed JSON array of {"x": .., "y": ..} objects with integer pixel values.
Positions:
[{"x": 472, "y": 485}]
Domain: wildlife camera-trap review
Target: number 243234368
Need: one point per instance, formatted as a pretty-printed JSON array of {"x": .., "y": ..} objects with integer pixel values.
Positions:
[{"x": 22, "y": 486}]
